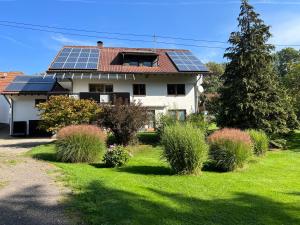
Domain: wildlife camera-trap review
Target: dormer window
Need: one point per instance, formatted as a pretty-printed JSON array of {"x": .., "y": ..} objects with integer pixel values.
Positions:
[{"x": 147, "y": 59}]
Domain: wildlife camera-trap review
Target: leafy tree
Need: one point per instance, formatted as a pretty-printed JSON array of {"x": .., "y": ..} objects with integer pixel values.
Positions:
[
  {"x": 61, "y": 111},
  {"x": 251, "y": 96},
  {"x": 292, "y": 83},
  {"x": 284, "y": 60},
  {"x": 214, "y": 81},
  {"x": 124, "y": 120}
]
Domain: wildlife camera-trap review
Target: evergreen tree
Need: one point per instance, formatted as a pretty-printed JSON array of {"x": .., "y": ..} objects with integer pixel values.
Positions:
[{"x": 251, "y": 96}]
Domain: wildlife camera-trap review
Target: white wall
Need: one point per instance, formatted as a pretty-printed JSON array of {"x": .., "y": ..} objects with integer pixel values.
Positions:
[
  {"x": 156, "y": 90},
  {"x": 4, "y": 110},
  {"x": 24, "y": 108}
]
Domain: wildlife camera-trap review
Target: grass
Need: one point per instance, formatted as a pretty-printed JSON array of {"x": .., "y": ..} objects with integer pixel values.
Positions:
[{"x": 145, "y": 191}]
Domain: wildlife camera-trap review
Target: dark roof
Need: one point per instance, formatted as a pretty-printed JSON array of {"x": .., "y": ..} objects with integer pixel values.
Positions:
[
  {"x": 110, "y": 56},
  {"x": 30, "y": 84},
  {"x": 6, "y": 78}
]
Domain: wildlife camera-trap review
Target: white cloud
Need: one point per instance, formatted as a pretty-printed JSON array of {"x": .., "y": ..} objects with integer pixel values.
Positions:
[{"x": 63, "y": 40}]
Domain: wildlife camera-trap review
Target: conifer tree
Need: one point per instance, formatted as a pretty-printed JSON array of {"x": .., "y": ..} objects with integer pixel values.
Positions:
[{"x": 251, "y": 96}]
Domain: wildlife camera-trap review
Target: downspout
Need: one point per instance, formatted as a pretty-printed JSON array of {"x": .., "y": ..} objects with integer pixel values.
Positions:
[
  {"x": 11, "y": 119},
  {"x": 196, "y": 93}
]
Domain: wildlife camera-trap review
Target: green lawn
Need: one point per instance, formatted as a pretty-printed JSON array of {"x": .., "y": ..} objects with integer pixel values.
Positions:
[{"x": 145, "y": 192}]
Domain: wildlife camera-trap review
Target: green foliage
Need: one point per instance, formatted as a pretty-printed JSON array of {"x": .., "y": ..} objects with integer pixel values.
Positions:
[
  {"x": 61, "y": 111},
  {"x": 148, "y": 138},
  {"x": 124, "y": 120},
  {"x": 252, "y": 96},
  {"x": 116, "y": 156},
  {"x": 77, "y": 144},
  {"x": 163, "y": 121},
  {"x": 213, "y": 81},
  {"x": 184, "y": 148},
  {"x": 260, "y": 141},
  {"x": 198, "y": 121},
  {"x": 292, "y": 83},
  {"x": 285, "y": 59}
]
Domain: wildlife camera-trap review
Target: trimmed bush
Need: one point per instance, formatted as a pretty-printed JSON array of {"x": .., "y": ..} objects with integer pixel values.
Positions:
[
  {"x": 80, "y": 143},
  {"x": 116, "y": 156},
  {"x": 260, "y": 141},
  {"x": 184, "y": 148},
  {"x": 229, "y": 148}
]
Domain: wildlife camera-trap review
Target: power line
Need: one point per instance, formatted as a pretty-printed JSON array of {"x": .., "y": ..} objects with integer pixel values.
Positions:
[
  {"x": 33, "y": 27},
  {"x": 114, "y": 33},
  {"x": 112, "y": 38}
]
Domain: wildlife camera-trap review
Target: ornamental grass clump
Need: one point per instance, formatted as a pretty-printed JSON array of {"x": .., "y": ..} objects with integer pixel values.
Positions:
[
  {"x": 80, "y": 143},
  {"x": 260, "y": 141},
  {"x": 229, "y": 148},
  {"x": 184, "y": 148}
]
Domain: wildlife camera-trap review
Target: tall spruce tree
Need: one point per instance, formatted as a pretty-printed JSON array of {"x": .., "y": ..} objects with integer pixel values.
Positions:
[{"x": 252, "y": 96}]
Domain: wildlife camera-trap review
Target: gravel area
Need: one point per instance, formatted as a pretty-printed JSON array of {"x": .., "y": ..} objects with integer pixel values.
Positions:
[{"x": 30, "y": 195}]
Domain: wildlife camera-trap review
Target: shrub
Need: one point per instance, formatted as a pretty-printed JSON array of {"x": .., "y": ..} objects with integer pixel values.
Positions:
[
  {"x": 229, "y": 148},
  {"x": 116, "y": 156},
  {"x": 184, "y": 148},
  {"x": 278, "y": 143},
  {"x": 124, "y": 120},
  {"x": 148, "y": 138},
  {"x": 163, "y": 121},
  {"x": 62, "y": 111},
  {"x": 198, "y": 121},
  {"x": 80, "y": 143},
  {"x": 260, "y": 141}
]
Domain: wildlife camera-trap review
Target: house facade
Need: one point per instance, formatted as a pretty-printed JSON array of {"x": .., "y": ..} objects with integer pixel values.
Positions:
[
  {"x": 5, "y": 79},
  {"x": 163, "y": 80}
]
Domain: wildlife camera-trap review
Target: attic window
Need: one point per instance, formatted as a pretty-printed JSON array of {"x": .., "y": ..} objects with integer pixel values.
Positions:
[
  {"x": 148, "y": 59},
  {"x": 3, "y": 75}
]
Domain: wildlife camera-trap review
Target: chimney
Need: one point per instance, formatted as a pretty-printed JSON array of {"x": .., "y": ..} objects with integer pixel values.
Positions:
[{"x": 100, "y": 44}]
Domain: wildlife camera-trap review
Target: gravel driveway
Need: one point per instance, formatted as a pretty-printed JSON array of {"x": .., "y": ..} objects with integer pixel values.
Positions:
[{"x": 30, "y": 195}]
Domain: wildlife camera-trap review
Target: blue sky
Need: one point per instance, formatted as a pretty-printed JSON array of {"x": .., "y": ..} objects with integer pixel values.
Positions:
[{"x": 32, "y": 51}]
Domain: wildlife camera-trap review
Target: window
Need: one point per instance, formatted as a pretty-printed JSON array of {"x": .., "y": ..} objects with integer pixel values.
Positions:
[
  {"x": 139, "y": 89},
  {"x": 38, "y": 101},
  {"x": 178, "y": 114},
  {"x": 140, "y": 60},
  {"x": 103, "y": 88},
  {"x": 176, "y": 89}
]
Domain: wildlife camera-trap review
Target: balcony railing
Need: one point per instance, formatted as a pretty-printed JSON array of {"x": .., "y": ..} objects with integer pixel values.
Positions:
[{"x": 108, "y": 98}]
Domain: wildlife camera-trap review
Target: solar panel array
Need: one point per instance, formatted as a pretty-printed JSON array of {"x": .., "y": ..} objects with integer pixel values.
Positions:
[
  {"x": 77, "y": 58},
  {"x": 30, "y": 84},
  {"x": 186, "y": 61}
]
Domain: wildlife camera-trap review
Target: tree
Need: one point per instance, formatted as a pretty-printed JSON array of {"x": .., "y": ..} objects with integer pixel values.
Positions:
[
  {"x": 61, "y": 111},
  {"x": 124, "y": 120},
  {"x": 251, "y": 96},
  {"x": 213, "y": 81},
  {"x": 284, "y": 60},
  {"x": 292, "y": 84}
]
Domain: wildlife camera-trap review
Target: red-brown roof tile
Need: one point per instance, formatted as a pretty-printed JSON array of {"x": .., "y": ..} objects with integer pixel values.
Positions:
[{"x": 6, "y": 78}]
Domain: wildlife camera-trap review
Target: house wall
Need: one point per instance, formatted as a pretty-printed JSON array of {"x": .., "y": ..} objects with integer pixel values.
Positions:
[
  {"x": 156, "y": 90},
  {"x": 24, "y": 108},
  {"x": 4, "y": 110}
]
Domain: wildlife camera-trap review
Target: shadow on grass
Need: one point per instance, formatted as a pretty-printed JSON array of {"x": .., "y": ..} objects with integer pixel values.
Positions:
[
  {"x": 293, "y": 143},
  {"x": 51, "y": 157},
  {"x": 146, "y": 170},
  {"x": 99, "y": 204}
]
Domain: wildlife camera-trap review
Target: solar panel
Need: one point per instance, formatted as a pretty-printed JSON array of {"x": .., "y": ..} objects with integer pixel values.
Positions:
[
  {"x": 30, "y": 84},
  {"x": 186, "y": 61},
  {"x": 77, "y": 58}
]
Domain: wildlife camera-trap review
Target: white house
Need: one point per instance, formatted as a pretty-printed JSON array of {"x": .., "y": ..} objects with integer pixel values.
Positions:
[
  {"x": 164, "y": 80},
  {"x": 5, "y": 79}
]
